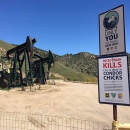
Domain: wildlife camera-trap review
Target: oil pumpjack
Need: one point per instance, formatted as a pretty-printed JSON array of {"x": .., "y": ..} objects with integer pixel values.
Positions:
[{"x": 23, "y": 58}]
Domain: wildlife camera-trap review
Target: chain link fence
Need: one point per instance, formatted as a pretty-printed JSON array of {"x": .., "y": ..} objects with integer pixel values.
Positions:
[{"x": 21, "y": 121}]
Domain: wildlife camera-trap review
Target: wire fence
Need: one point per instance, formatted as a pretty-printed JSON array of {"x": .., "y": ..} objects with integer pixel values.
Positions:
[{"x": 22, "y": 121}]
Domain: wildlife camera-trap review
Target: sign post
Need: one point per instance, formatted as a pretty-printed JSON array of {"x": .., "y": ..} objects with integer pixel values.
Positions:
[
  {"x": 115, "y": 112},
  {"x": 113, "y": 67}
]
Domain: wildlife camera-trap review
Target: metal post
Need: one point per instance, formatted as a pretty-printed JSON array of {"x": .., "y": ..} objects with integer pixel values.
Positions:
[
  {"x": 115, "y": 112},
  {"x": 26, "y": 68},
  {"x": 43, "y": 73},
  {"x": 9, "y": 79},
  {"x": 31, "y": 76},
  {"x": 15, "y": 69},
  {"x": 40, "y": 73},
  {"x": 2, "y": 63},
  {"x": 21, "y": 80}
]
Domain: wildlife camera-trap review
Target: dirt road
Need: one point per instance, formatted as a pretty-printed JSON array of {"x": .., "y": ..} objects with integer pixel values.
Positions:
[{"x": 75, "y": 100}]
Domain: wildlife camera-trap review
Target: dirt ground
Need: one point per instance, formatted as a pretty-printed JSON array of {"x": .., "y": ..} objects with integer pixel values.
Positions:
[{"x": 65, "y": 99}]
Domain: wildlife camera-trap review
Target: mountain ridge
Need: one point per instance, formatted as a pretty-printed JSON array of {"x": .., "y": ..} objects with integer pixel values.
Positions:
[{"x": 84, "y": 64}]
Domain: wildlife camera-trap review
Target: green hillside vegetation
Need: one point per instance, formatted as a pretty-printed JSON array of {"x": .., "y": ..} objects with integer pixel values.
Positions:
[
  {"x": 82, "y": 62},
  {"x": 73, "y": 67},
  {"x": 72, "y": 75}
]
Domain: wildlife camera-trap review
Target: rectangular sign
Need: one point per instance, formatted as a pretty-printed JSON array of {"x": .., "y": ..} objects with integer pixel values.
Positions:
[
  {"x": 113, "y": 84},
  {"x": 112, "y": 31}
]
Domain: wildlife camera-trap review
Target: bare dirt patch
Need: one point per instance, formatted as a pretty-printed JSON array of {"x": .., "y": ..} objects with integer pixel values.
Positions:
[{"x": 65, "y": 99}]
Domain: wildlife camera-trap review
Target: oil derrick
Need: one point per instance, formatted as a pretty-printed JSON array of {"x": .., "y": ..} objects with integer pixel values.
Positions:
[
  {"x": 38, "y": 67},
  {"x": 13, "y": 76},
  {"x": 23, "y": 57}
]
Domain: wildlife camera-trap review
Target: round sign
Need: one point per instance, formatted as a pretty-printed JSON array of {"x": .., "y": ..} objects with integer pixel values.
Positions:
[{"x": 111, "y": 20}]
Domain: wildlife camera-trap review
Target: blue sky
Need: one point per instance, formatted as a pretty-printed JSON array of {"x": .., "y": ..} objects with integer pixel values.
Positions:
[{"x": 62, "y": 26}]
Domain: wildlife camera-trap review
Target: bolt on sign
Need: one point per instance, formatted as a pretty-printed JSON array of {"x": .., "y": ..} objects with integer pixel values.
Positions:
[
  {"x": 112, "y": 31},
  {"x": 113, "y": 84}
]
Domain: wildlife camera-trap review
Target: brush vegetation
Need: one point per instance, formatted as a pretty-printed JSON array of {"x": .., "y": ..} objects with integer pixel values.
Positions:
[{"x": 72, "y": 67}]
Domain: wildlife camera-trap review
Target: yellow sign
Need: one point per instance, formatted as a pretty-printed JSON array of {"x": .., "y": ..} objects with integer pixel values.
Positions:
[
  {"x": 107, "y": 95},
  {"x": 120, "y": 95}
]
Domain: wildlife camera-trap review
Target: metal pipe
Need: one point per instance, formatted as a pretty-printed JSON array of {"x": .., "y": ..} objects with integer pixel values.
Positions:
[
  {"x": 115, "y": 112},
  {"x": 48, "y": 59}
]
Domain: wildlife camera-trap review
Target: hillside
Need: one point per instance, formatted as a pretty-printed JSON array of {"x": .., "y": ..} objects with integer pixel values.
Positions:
[
  {"x": 77, "y": 67},
  {"x": 82, "y": 62},
  {"x": 71, "y": 74},
  {"x": 5, "y": 45}
]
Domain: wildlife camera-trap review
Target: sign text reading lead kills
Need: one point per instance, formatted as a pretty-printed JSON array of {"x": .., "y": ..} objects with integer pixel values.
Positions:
[{"x": 112, "y": 69}]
